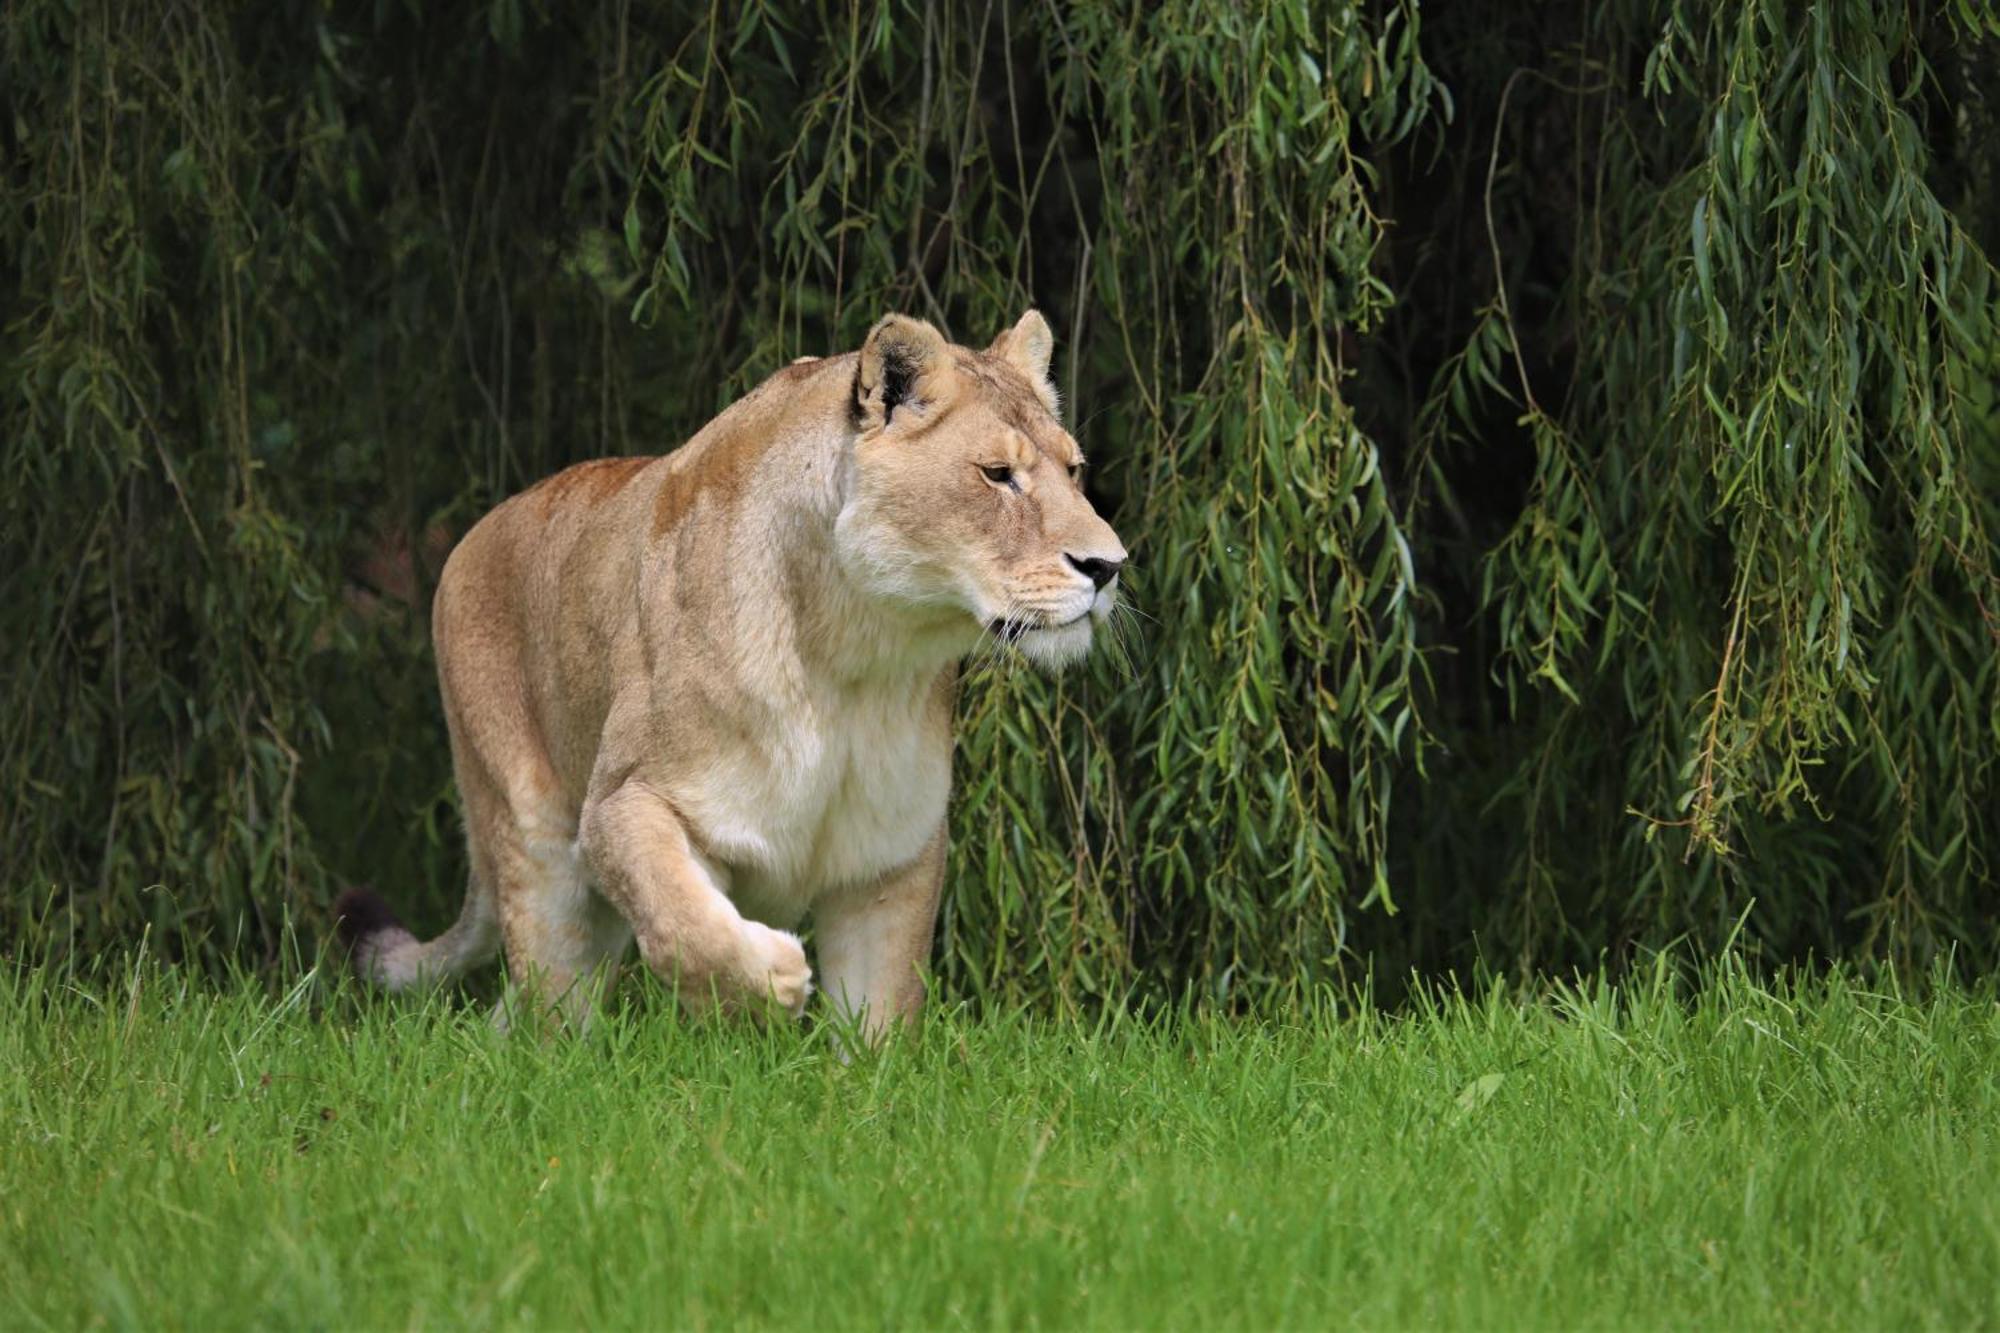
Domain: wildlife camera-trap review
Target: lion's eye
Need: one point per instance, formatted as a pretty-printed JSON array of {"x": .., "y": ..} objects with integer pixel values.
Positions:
[
  {"x": 1076, "y": 473},
  {"x": 999, "y": 476}
]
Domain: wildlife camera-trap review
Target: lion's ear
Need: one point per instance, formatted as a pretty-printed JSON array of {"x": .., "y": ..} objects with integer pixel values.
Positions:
[
  {"x": 1027, "y": 347},
  {"x": 904, "y": 364}
]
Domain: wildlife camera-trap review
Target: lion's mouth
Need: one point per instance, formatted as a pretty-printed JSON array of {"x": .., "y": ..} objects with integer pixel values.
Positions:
[{"x": 1003, "y": 628}]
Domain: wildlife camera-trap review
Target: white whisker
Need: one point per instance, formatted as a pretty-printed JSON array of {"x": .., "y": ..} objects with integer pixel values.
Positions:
[{"x": 1123, "y": 634}]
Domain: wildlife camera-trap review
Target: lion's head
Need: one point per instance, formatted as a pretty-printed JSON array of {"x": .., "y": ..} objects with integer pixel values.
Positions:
[{"x": 967, "y": 493}]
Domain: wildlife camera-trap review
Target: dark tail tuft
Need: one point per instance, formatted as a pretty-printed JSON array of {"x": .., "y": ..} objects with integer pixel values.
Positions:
[{"x": 361, "y": 912}]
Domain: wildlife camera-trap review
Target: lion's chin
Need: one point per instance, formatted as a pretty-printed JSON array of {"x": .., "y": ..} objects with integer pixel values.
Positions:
[{"x": 1058, "y": 646}]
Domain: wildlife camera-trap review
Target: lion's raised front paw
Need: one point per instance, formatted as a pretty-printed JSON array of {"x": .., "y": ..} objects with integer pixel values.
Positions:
[{"x": 778, "y": 970}]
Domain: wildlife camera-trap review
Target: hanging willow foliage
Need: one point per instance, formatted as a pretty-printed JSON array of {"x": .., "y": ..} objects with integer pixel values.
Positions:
[
  {"x": 1745, "y": 614},
  {"x": 1558, "y": 450}
]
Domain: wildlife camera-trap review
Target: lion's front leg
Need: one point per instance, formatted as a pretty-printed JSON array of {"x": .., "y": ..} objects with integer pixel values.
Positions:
[
  {"x": 874, "y": 941},
  {"x": 689, "y": 933}
]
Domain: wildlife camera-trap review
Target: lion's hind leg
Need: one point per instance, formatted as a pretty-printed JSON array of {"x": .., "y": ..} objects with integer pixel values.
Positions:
[
  {"x": 563, "y": 941},
  {"x": 563, "y": 945}
]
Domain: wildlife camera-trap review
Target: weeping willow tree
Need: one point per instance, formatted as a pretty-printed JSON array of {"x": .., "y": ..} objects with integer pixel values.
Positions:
[
  {"x": 1557, "y": 449},
  {"x": 1735, "y": 331}
]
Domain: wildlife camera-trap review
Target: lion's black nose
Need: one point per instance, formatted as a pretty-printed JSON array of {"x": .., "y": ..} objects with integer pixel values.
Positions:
[{"x": 1099, "y": 572}]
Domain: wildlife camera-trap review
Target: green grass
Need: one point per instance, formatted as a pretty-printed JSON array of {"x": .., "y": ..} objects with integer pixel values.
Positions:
[{"x": 1817, "y": 1153}]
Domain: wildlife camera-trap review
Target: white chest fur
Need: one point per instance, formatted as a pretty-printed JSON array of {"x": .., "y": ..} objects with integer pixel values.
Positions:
[{"x": 839, "y": 790}]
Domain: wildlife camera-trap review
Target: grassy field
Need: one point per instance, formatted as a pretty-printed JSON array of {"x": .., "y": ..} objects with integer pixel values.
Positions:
[{"x": 1817, "y": 1154}]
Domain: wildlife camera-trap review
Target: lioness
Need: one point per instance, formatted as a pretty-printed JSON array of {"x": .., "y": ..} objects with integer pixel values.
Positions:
[{"x": 694, "y": 698}]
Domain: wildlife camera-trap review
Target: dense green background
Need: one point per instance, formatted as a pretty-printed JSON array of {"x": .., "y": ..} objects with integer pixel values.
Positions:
[{"x": 1557, "y": 441}]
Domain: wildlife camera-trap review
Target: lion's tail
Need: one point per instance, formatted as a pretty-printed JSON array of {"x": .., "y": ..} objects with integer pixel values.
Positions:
[{"x": 386, "y": 954}]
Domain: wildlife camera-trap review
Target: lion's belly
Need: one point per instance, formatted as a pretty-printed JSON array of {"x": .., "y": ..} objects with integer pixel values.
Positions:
[{"x": 825, "y": 807}]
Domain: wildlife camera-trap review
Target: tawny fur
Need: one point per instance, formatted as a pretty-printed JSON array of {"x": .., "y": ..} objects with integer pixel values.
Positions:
[{"x": 695, "y": 698}]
